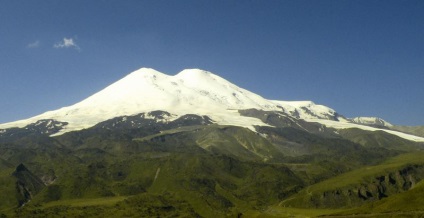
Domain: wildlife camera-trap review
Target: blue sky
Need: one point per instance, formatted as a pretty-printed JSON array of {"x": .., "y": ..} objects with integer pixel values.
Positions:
[{"x": 359, "y": 57}]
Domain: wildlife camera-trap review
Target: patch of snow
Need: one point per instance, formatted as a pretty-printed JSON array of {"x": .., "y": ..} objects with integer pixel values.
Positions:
[
  {"x": 157, "y": 174},
  {"x": 163, "y": 118},
  {"x": 263, "y": 135},
  {"x": 343, "y": 125},
  {"x": 306, "y": 109},
  {"x": 38, "y": 123},
  {"x": 371, "y": 121}
]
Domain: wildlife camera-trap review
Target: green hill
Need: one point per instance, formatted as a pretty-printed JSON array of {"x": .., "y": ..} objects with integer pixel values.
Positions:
[
  {"x": 193, "y": 168},
  {"x": 363, "y": 185}
]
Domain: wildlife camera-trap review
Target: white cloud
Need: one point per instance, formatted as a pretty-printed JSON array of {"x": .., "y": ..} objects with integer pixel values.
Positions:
[
  {"x": 35, "y": 44},
  {"x": 67, "y": 43}
]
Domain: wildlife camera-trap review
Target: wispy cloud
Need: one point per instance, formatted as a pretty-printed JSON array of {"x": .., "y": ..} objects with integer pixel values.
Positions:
[
  {"x": 35, "y": 44},
  {"x": 67, "y": 43}
]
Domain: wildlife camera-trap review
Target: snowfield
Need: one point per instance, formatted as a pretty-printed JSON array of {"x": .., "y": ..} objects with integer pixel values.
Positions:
[{"x": 191, "y": 91}]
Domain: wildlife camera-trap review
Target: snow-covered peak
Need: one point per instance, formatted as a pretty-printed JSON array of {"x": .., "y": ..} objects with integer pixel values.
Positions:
[
  {"x": 307, "y": 110},
  {"x": 194, "y": 73},
  {"x": 372, "y": 121},
  {"x": 145, "y": 71},
  {"x": 191, "y": 91},
  {"x": 142, "y": 74}
]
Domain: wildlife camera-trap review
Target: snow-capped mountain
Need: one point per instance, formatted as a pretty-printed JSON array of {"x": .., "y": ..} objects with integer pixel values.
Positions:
[{"x": 191, "y": 91}]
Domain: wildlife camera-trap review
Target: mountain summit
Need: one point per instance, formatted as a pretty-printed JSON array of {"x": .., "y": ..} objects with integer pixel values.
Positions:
[{"x": 192, "y": 91}]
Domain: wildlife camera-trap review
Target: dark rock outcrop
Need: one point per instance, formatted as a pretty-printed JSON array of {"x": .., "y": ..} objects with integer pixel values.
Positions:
[
  {"x": 27, "y": 184},
  {"x": 375, "y": 189}
]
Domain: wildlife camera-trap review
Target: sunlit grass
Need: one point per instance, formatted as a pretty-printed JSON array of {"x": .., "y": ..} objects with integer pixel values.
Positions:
[
  {"x": 87, "y": 202},
  {"x": 354, "y": 178},
  {"x": 276, "y": 211},
  {"x": 360, "y": 175}
]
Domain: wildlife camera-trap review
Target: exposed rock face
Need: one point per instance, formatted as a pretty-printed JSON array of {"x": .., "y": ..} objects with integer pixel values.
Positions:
[
  {"x": 160, "y": 119},
  {"x": 41, "y": 127},
  {"x": 282, "y": 119},
  {"x": 27, "y": 184},
  {"x": 376, "y": 189}
]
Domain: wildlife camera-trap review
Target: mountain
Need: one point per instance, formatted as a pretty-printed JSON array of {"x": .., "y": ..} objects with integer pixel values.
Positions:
[
  {"x": 196, "y": 145},
  {"x": 191, "y": 91},
  {"x": 146, "y": 90}
]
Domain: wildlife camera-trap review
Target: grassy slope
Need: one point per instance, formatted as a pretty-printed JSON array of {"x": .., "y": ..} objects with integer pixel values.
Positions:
[
  {"x": 354, "y": 177},
  {"x": 204, "y": 184},
  {"x": 361, "y": 175},
  {"x": 234, "y": 141},
  {"x": 379, "y": 139},
  {"x": 406, "y": 204},
  {"x": 193, "y": 183},
  {"x": 7, "y": 189},
  {"x": 142, "y": 205},
  {"x": 415, "y": 130},
  {"x": 86, "y": 202},
  {"x": 409, "y": 202}
]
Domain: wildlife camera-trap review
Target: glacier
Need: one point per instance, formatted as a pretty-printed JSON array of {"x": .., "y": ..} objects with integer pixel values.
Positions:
[{"x": 191, "y": 91}]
